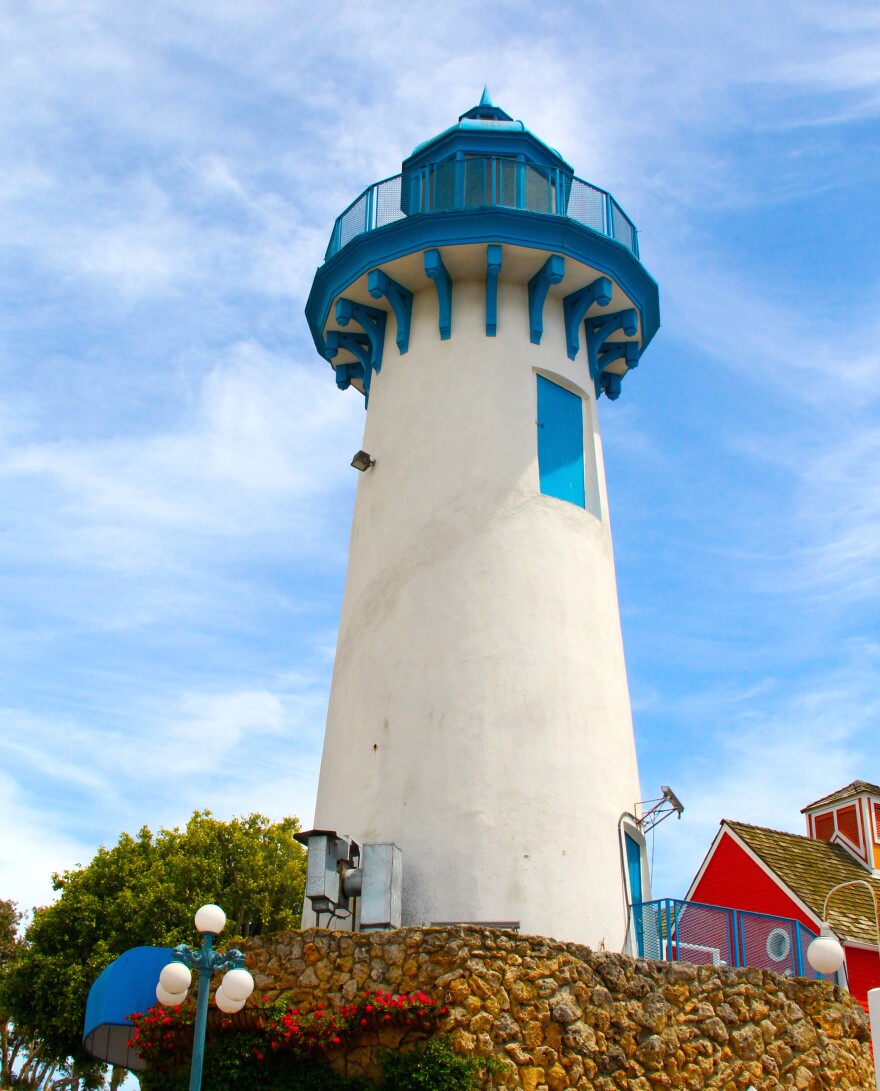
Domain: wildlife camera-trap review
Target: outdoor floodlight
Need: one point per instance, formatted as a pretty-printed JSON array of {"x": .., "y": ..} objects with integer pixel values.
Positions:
[{"x": 362, "y": 461}]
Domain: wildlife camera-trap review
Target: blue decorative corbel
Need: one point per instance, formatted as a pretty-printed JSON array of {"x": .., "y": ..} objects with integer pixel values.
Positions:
[
  {"x": 358, "y": 344},
  {"x": 628, "y": 351},
  {"x": 379, "y": 284},
  {"x": 598, "y": 329},
  {"x": 371, "y": 320},
  {"x": 575, "y": 307},
  {"x": 437, "y": 271},
  {"x": 609, "y": 384},
  {"x": 493, "y": 268},
  {"x": 551, "y": 272}
]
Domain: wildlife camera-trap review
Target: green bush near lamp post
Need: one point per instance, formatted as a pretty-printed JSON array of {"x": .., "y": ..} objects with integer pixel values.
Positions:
[{"x": 278, "y": 1048}]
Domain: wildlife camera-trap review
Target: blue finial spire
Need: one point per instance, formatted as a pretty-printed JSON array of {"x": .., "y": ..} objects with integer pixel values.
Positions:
[{"x": 486, "y": 110}]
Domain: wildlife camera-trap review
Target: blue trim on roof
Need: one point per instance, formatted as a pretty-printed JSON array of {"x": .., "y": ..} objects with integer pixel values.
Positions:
[
  {"x": 511, "y": 226},
  {"x": 488, "y": 138}
]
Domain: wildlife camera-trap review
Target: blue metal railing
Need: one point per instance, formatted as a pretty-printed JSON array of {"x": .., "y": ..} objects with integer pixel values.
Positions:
[
  {"x": 677, "y": 931},
  {"x": 483, "y": 182}
]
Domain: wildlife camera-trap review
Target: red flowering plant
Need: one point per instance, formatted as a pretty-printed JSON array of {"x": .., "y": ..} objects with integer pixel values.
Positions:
[
  {"x": 410, "y": 1009},
  {"x": 163, "y": 1036}
]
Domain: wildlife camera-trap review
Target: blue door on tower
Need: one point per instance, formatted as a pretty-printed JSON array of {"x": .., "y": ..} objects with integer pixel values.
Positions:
[{"x": 560, "y": 442}]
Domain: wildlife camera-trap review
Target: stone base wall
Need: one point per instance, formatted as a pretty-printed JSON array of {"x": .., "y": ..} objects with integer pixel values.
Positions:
[{"x": 566, "y": 1018}]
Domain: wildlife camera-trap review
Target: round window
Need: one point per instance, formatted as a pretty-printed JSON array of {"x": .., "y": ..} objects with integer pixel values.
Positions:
[{"x": 779, "y": 944}]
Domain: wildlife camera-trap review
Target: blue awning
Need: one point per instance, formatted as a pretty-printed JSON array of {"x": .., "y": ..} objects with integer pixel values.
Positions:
[{"x": 127, "y": 985}]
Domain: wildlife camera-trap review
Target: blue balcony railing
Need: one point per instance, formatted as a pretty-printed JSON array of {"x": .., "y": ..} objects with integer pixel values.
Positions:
[
  {"x": 477, "y": 182},
  {"x": 678, "y": 931}
]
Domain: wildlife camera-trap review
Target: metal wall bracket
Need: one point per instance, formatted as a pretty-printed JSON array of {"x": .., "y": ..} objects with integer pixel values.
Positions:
[
  {"x": 493, "y": 268},
  {"x": 437, "y": 271},
  {"x": 575, "y": 307},
  {"x": 551, "y": 272},
  {"x": 379, "y": 284}
]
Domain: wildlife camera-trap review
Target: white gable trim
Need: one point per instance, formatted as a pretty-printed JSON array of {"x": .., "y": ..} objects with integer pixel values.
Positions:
[
  {"x": 770, "y": 874},
  {"x": 838, "y": 838}
]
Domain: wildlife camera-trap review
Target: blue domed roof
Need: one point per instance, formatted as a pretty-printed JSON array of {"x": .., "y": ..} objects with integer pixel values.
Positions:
[{"x": 486, "y": 129}]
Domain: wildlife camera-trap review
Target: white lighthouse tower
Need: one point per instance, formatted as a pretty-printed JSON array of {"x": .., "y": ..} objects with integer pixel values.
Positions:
[{"x": 482, "y": 301}]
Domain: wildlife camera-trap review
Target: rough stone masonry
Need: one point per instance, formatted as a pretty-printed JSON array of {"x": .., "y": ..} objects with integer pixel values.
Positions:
[{"x": 563, "y": 1017}]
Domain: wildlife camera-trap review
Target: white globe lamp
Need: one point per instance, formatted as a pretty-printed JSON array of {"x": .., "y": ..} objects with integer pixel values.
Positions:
[
  {"x": 226, "y": 1003},
  {"x": 175, "y": 978},
  {"x": 169, "y": 1000},
  {"x": 825, "y": 953},
  {"x": 210, "y": 919},
  {"x": 237, "y": 985}
]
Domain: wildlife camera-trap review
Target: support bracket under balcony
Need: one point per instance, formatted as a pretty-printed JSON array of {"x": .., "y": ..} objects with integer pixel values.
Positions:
[
  {"x": 598, "y": 329},
  {"x": 437, "y": 271},
  {"x": 358, "y": 344},
  {"x": 575, "y": 307},
  {"x": 493, "y": 268},
  {"x": 372, "y": 320},
  {"x": 379, "y": 284},
  {"x": 551, "y": 272},
  {"x": 608, "y": 382}
]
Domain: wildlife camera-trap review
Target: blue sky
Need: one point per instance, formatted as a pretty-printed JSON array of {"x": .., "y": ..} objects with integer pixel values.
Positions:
[{"x": 174, "y": 479}]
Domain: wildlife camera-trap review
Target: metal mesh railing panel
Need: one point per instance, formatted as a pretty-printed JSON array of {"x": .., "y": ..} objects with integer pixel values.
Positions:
[
  {"x": 586, "y": 204},
  {"x": 537, "y": 192},
  {"x": 441, "y": 194},
  {"x": 701, "y": 934},
  {"x": 387, "y": 201},
  {"x": 647, "y": 923},
  {"x": 505, "y": 183},
  {"x": 767, "y": 942},
  {"x": 803, "y": 937},
  {"x": 477, "y": 182},
  {"x": 622, "y": 227},
  {"x": 352, "y": 222},
  {"x": 482, "y": 182}
]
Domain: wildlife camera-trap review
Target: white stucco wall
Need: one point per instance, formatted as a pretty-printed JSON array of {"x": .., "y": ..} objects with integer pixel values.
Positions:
[{"x": 479, "y": 714}]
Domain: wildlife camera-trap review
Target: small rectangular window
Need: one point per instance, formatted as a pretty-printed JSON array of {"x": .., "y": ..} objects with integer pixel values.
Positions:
[{"x": 560, "y": 442}]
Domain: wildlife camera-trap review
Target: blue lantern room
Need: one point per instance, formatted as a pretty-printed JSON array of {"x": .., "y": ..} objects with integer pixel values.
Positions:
[{"x": 484, "y": 200}]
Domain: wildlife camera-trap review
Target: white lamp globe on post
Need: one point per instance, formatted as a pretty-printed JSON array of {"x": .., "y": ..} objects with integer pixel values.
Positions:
[
  {"x": 176, "y": 978},
  {"x": 236, "y": 986},
  {"x": 210, "y": 919},
  {"x": 825, "y": 953}
]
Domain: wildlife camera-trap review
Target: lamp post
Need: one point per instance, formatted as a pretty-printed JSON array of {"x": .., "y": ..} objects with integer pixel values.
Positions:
[
  {"x": 175, "y": 979},
  {"x": 825, "y": 954}
]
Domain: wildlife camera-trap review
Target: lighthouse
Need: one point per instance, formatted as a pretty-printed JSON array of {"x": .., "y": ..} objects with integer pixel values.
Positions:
[{"x": 482, "y": 302}]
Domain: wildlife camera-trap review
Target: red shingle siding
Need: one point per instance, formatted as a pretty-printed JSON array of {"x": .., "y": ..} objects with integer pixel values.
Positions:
[
  {"x": 863, "y": 970},
  {"x": 733, "y": 879}
]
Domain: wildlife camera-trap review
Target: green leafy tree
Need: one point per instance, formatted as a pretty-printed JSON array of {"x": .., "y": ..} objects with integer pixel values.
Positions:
[{"x": 144, "y": 891}]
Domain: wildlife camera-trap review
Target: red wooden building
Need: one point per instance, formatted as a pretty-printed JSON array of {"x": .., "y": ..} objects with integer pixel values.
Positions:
[{"x": 789, "y": 875}]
